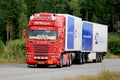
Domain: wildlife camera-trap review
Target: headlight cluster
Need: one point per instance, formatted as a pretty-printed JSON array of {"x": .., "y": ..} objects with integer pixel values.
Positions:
[{"x": 40, "y": 57}]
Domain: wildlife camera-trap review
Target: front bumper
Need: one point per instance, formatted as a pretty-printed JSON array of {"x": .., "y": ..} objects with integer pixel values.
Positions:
[{"x": 42, "y": 62}]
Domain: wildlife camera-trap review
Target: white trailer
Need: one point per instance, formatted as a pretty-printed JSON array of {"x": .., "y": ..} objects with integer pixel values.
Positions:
[
  {"x": 87, "y": 40},
  {"x": 94, "y": 40}
]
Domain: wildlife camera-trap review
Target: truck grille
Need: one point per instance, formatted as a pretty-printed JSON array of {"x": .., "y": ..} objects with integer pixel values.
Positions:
[{"x": 38, "y": 48}]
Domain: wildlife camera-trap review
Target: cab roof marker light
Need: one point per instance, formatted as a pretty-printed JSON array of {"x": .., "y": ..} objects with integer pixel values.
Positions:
[
  {"x": 31, "y": 17},
  {"x": 37, "y": 15},
  {"x": 46, "y": 57},
  {"x": 53, "y": 18},
  {"x": 48, "y": 17}
]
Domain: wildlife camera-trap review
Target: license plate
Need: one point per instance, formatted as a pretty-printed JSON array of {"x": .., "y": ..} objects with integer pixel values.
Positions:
[
  {"x": 41, "y": 62},
  {"x": 50, "y": 62}
]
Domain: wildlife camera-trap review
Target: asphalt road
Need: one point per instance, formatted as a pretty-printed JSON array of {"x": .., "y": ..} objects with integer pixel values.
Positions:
[{"x": 21, "y": 72}]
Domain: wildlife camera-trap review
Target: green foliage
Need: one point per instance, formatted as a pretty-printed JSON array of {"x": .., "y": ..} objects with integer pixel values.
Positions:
[
  {"x": 22, "y": 24},
  {"x": 15, "y": 13},
  {"x": 104, "y": 75},
  {"x": 2, "y": 46},
  {"x": 94, "y": 18},
  {"x": 75, "y": 7},
  {"x": 10, "y": 20},
  {"x": 14, "y": 49},
  {"x": 114, "y": 43}
]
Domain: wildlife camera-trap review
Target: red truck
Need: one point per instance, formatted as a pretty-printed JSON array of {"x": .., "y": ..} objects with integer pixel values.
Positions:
[{"x": 60, "y": 39}]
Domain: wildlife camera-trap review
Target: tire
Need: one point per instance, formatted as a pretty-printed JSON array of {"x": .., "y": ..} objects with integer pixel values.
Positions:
[
  {"x": 70, "y": 60},
  {"x": 101, "y": 57},
  {"x": 83, "y": 58},
  {"x": 98, "y": 55},
  {"x": 67, "y": 64},
  {"x": 97, "y": 58},
  {"x": 80, "y": 58},
  {"x": 31, "y": 65},
  {"x": 61, "y": 62}
]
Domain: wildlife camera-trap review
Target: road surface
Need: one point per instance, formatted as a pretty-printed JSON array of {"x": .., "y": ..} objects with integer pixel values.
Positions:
[{"x": 21, "y": 72}]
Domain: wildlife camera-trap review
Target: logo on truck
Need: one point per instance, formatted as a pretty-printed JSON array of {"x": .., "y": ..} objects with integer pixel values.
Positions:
[
  {"x": 87, "y": 33},
  {"x": 96, "y": 38},
  {"x": 99, "y": 38}
]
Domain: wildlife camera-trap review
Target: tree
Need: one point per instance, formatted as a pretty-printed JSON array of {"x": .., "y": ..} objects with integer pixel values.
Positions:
[
  {"x": 117, "y": 26},
  {"x": 14, "y": 14},
  {"x": 22, "y": 19},
  {"x": 87, "y": 8},
  {"x": 7, "y": 19},
  {"x": 11, "y": 11},
  {"x": 113, "y": 9},
  {"x": 53, "y": 6},
  {"x": 94, "y": 18},
  {"x": 75, "y": 7}
]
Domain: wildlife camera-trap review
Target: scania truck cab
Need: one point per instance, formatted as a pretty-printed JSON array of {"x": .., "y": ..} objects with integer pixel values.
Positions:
[{"x": 45, "y": 40}]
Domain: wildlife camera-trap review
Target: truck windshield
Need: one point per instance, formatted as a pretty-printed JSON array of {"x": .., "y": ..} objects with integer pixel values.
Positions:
[{"x": 42, "y": 34}]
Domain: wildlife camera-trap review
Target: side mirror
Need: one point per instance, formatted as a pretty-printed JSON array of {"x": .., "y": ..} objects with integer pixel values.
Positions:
[{"x": 25, "y": 34}]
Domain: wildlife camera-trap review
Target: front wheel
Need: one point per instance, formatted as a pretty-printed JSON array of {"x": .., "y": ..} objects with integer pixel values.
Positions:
[{"x": 31, "y": 65}]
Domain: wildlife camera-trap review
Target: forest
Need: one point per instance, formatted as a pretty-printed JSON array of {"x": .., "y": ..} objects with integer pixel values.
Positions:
[{"x": 14, "y": 16}]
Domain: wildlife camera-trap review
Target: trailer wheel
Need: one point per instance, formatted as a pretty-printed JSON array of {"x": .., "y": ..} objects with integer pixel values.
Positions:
[
  {"x": 101, "y": 57},
  {"x": 61, "y": 62},
  {"x": 80, "y": 58},
  {"x": 83, "y": 58},
  {"x": 97, "y": 58}
]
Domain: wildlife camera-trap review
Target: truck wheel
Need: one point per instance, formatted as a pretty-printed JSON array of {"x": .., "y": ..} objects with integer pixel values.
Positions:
[
  {"x": 80, "y": 58},
  {"x": 61, "y": 62},
  {"x": 31, "y": 65},
  {"x": 101, "y": 57},
  {"x": 70, "y": 60},
  {"x": 97, "y": 58},
  {"x": 83, "y": 58}
]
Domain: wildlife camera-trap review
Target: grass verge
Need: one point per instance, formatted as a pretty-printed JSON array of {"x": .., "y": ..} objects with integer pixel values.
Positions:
[
  {"x": 111, "y": 56},
  {"x": 10, "y": 60},
  {"x": 105, "y": 75}
]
